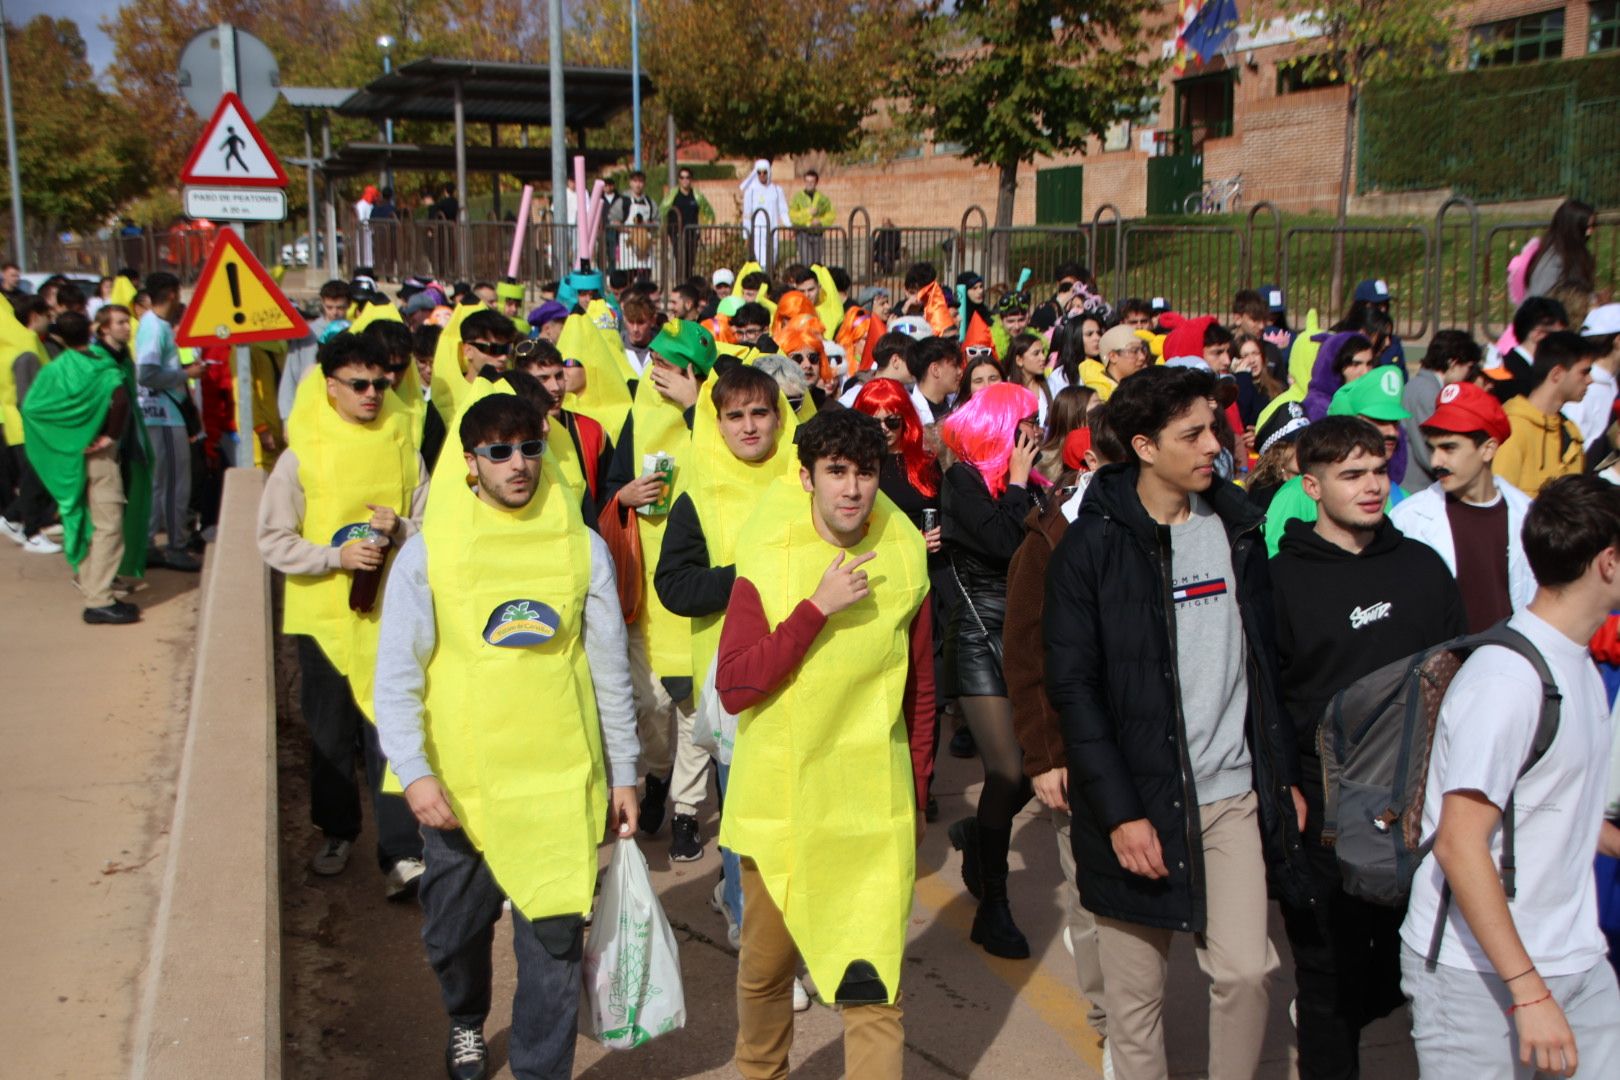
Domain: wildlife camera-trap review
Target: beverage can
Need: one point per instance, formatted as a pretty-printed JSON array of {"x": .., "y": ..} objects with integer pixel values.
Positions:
[
  {"x": 930, "y": 519},
  {"x": 662, "y": 465}
]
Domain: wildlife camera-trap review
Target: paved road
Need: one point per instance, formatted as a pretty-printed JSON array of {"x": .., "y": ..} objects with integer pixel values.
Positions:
[
  {"x": 361, "y": 1002},
  {"x": 92, "y": 728}
]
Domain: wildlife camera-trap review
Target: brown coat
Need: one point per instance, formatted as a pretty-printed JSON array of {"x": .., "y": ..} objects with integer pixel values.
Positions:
[{"x": 1024, "y": 666}]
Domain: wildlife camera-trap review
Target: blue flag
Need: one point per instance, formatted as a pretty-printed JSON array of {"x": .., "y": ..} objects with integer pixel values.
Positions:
[{"x": 1210, "y": 28}]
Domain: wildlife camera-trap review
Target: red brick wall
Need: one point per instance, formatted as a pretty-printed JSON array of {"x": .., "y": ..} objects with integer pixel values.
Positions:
[{"x": 1289, "y": 149}]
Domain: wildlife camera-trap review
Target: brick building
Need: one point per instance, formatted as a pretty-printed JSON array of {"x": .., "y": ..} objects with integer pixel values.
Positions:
[{"x": 1248, "y": 111}]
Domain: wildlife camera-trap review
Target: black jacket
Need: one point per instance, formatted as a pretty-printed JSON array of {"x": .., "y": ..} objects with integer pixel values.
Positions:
[
  {"x": 1111, "y": 673},
  {"x": 1341, "y": 615},
  {"x": 685, "y": 582}
]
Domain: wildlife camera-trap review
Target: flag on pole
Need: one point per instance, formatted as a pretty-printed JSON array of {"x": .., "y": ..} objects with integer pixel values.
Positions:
[{"x": 1204, "y": 29}]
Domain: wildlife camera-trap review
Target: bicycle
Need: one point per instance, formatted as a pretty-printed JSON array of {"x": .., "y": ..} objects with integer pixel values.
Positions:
[{"x": 1215, "y": 197}]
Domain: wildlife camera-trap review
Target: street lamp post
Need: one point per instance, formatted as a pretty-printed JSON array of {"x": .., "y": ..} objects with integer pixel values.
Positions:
[
  {"x": 18, "y": 242},
  {"x": 386, "y": 44}
]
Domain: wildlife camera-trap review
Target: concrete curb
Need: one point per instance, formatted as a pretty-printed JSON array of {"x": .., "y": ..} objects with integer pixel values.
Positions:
[{"x": 211, "y": 993}]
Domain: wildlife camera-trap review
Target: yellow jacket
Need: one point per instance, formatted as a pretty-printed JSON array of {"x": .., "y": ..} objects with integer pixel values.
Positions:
[{"x": 1542, "y": 446}]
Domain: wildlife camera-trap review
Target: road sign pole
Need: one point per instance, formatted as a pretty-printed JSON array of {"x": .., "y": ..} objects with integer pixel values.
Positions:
[{"x": 242, "y": 361}]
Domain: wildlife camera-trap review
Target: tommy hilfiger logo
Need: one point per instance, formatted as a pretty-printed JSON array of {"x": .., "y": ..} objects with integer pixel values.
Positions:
[
  {"x": 1194, "y": 591},
  {"x": 1372, "y": 613}
]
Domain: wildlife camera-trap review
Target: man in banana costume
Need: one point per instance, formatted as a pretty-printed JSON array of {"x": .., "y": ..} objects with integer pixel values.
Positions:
[{"x": 504, "y": 703}]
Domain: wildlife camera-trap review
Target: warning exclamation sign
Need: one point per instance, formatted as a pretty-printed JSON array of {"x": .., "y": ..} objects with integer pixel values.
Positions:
[{"x": 233, "y": 278}]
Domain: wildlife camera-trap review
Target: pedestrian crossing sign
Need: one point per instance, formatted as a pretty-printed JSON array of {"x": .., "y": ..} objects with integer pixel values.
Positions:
[
  {"x": 237, "y": 302},
  {"x": 232, "y": 151}
]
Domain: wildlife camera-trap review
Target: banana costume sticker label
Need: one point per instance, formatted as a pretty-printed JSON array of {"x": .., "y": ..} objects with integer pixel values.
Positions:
[{"x": 517, "y": 623}]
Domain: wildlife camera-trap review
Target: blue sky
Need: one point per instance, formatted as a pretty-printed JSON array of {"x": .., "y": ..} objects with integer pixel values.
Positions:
[{"x": 87, "y": 13}]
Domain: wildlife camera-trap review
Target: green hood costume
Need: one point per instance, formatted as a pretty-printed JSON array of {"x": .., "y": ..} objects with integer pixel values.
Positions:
[{"x": 65, "y": 410}]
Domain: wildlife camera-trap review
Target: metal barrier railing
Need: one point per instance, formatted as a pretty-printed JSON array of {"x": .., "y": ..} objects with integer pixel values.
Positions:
[{"x": 1447, "y": 272}]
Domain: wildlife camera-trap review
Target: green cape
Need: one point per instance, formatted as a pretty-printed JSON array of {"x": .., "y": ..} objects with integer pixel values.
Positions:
[{"x": 65, "y": 410}]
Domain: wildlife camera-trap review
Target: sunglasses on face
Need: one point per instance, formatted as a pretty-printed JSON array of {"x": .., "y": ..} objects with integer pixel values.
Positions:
[
  {"x": 804, "y": 358},
  {"x": 491, "y": 348},
  {"x": 978, "y": 352},
  {"x": 891, "y": 422},
  {"x": 360, "y": 386},
  {"x": 395, "y": 369},
  {"x": 502, "y": 451}
]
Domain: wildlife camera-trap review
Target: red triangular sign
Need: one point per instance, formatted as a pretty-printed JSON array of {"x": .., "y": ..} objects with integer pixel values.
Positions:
[
  {"x": 232, "y": 151},
  {"x": 237, "y": 302}
]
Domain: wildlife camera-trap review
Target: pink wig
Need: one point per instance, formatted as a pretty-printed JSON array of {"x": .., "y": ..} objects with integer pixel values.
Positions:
[{"x": 982, "y": 431}]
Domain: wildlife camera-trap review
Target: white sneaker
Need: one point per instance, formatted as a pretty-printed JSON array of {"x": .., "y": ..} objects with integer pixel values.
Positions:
[
  {"x": 1108, "y": 1061},
  {"x": 402, "y": 879},
  {"x": 12, "y": 532},
  {"x": 801, "y": 999},
  {"x": 40, "y": 544},
  {"x": 332, "y": 858},
  {"x": 717, "y": 901}
]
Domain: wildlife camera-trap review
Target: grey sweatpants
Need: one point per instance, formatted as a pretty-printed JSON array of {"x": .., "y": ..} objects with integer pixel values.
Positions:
[
  {"x": 171, "y": 483},
  {"x": 1463, "y": 1032}
]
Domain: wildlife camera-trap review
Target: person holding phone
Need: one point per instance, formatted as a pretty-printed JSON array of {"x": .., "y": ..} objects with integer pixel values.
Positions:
[{"x": 984, "y": 500}]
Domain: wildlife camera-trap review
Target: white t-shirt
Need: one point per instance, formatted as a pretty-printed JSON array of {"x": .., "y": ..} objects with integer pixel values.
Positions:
[{"x": 1483, "y": 736}]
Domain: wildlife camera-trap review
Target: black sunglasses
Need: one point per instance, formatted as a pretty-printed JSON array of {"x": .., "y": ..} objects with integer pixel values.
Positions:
[
  {"x": 502, "y": 451},
  {"x": 805, "y": 357},
  {"x": 892, "y": 422},
  {"x": 359, "y": 385},
  {"x": 492, "y": 348}
]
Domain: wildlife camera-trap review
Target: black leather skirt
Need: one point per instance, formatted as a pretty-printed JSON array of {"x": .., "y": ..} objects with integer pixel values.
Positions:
[{"x": 972, "y": 661}]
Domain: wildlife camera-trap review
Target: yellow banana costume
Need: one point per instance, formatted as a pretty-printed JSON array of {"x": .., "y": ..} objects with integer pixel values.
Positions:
[
  {"x": 830, "y": 309},
  {"x": 822, "y": 795},
  {"x": 724, "y": 492},
  {"x": 510, "y": 711},
  {"x": 15, "y": 339},
  {"x": 448, "y": 363},
  {"x": 606, "y": 397},
  {"x": 660, "y": 427},
  {"x": 764, "y": 297},
  {"x": 342, "y": 467}
]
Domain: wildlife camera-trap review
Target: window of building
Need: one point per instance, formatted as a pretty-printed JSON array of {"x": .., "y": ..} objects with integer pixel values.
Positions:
[
  {"x": 1204, "y": 107},
  {"x": 1301, "y": 73},
  {"x": 1603, "y": 26},
  {"x": 1524, "y": 40},
  {"x": 945, "y": 149}
]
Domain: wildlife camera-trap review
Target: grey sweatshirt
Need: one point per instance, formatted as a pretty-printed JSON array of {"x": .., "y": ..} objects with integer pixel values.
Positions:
[{"x": 408, "y": 638}]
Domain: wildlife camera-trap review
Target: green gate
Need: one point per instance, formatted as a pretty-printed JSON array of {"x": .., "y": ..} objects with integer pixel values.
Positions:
[
  {"x": 1058, "y": 195},
  {"x": 1170, "y": 179}
]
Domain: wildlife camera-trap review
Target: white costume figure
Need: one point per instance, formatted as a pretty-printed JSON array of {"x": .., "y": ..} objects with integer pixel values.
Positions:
[{"x": 758, "y": 193}]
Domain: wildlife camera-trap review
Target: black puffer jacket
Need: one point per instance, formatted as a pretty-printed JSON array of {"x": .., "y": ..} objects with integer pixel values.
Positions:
[{"x": 1111, "y": 674}]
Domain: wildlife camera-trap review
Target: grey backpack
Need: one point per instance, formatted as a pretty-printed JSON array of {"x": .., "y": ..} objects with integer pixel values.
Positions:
[{"x": 1374, "y": 740}]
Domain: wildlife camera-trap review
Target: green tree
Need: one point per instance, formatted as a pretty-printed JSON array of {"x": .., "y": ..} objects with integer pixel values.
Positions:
[
  {"x": 1368, "y": 41},
  {"x": 802, "y": 74},
  {"x": 1013, "y": 79},
  {"x": 79, "y": 154}
]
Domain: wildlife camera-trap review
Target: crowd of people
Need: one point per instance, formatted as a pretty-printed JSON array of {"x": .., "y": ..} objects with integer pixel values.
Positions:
[{"x": 550, "y": 572}]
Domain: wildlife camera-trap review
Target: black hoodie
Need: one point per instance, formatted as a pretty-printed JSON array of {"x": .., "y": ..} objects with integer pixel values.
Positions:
[{"x": 1341, "y": 615}]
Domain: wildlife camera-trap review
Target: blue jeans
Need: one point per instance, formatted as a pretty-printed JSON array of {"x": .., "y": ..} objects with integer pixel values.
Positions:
[
  {"x": 461, "y": 904},
  {"x": 730, "y": 864}
]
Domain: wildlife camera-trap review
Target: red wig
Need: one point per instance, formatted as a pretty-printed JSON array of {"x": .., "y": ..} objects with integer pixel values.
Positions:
[{"x": 890, "y": 396}]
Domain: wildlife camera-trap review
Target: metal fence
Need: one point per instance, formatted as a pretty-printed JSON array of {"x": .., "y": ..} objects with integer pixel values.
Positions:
[{"x": 1449, "y": 272}]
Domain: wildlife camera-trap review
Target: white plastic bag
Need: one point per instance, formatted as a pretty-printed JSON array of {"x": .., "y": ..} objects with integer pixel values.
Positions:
[
  {"x": 631, "y": 966},
  {"x": 713, "y": 728}
]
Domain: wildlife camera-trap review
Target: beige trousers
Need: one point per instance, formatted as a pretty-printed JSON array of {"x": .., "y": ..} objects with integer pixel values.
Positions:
[
  {"x": 1233, "y": 951},
  {"x": 874, "y": 1039},
  {"x": 665, "y": 728},
  {"x": 104, "y": 499},
  {"x": 1082, "y": 930}
]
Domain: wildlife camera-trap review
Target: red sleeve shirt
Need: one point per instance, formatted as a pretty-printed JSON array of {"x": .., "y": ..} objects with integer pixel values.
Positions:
[{"x": 755, "y": 659}]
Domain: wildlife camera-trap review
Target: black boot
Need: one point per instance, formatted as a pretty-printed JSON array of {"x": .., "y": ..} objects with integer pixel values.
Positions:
[
  {"x": 653, "y": 801},
  {"x": 993, "y": 925},
  {"x": 964, "y": 836}
]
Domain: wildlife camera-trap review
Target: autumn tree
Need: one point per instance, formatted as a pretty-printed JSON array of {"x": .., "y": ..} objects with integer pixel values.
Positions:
[
  {"x": 80, "y": 155},
  {"x": 1013, "y": 79},
  {"x": 769, "y": 78}
]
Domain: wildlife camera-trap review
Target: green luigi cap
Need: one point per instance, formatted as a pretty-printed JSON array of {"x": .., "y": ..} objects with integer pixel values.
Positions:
[
  {"x": 509, "y": 290},
  {"x": 686, "y": 345},
  {"x": 1376, "y": 395}
]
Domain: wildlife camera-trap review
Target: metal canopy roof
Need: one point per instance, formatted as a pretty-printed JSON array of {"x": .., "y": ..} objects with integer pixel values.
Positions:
[
  {"x": 493, "y": 92},
  {"x": 316, "y": 97},
  {"x": 534, "y": 163}
]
